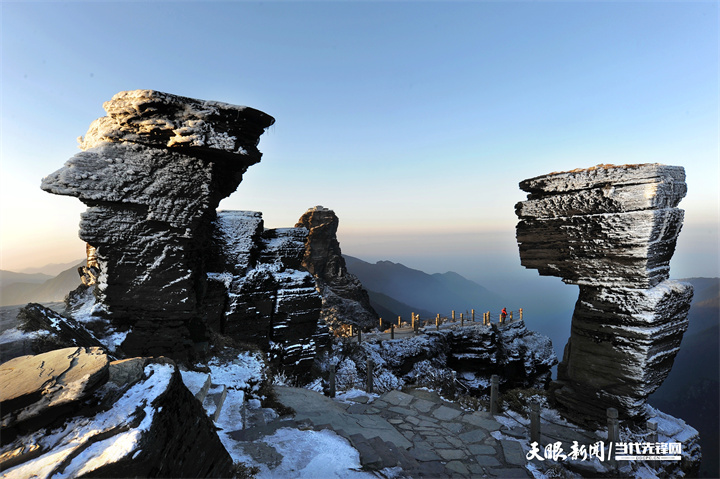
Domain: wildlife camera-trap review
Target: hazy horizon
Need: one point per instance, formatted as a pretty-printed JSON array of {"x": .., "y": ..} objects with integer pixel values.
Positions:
[{"x": 415, "y": 122}]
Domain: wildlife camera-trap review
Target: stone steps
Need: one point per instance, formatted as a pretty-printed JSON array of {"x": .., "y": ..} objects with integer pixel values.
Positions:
[{"x": 212, "y": 402}]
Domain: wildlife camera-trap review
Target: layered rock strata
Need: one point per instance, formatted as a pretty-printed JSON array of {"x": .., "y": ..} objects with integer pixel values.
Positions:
[
  {"x": 345, "y": 301},
  {"x": 152, "y": 174},
  {"x": 259, "y": 292},
  {"x": 611, "y": 230},
  {"x": 138, "y": 419}
]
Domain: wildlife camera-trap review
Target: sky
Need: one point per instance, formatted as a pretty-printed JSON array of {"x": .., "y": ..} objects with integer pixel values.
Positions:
[{"x": 414, "y": 121}]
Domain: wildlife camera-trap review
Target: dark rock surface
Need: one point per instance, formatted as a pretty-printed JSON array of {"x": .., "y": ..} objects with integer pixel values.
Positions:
[
  {"x": 267, "y": 297},
  {"x": 611, "y": 230},
  {"x": 142, "y": 423},
  {"x": 152, "y": 174},
  {"x": 344, "y": 298},
  {"x": 62, "y": 331}
]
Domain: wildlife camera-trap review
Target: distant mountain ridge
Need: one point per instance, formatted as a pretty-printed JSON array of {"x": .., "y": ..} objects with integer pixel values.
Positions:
[
  {"x": 426, "y": 294},
  {"x": 51, "y": 269},
  {"x": 28, "y": 288},
  {"x": 10, "y": 277}
]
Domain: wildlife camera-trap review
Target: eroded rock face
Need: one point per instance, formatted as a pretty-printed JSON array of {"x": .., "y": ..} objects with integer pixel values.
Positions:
[
  {"x": 611, "y": 230},
  {"x": 152, "y": 174},
  {"x": 143, "y": 422},
  {"x": 344, "y": 299},
  {"x": 259, "y": 292}
]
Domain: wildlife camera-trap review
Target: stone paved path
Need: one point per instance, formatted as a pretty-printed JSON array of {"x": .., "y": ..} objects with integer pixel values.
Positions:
[{"x": 415, "y": 430}]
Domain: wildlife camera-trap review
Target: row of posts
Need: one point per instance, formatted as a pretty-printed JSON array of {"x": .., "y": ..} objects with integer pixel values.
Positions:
[{"x": 415, "y": 320}]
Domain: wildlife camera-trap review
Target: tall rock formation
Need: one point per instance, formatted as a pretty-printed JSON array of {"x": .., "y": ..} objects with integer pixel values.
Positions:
[
  {"x": 611, "y": 230},
  {"x": 259, "y": 293},
  {"x": 152, "y": 174},
  {"x": 344, "y": 299}
]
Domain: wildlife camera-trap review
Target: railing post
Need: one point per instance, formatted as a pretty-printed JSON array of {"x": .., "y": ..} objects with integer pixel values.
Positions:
[
  {"x": 520, "y": 311},
  {"x": 472, "y": 312},
  {"x": 535, "y": 422},
  {"x": 412, "y": 320},
  {"x": 462, "y": 319},
  {"x": 510, "y": 317},
  {"x": 488, "y": 317},
  {"x": 331, "y": 381},
  {"x": 369, "y": 385},
  {"x": 613, "y": 425},
  {"x": 652, "y": 436},
  {"x": 399, "y": 321},
  {"x": 494, "y": 386},
  {"x": 392, "y": 331},
  {"x": 381, "y": 325},
  {"x": 437, "y": 322},
  {"x": 453, "y": 315}
]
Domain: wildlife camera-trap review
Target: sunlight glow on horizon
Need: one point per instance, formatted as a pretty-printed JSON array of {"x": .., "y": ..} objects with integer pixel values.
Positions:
[{"x": 413, "y": 122}]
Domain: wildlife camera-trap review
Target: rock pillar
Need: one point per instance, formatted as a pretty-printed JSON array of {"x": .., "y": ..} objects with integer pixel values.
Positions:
[
  {"x": 611, "y": 230},
  {"x": 344, "y": 298},
  {"x": 152, "y": 173}
]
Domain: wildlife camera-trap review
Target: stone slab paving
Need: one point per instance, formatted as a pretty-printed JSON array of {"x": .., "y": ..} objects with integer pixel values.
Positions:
[{"x": 415, "y": 430}]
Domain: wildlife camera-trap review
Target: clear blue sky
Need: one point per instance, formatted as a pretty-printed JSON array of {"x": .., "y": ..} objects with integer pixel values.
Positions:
[{"x": 414, "y": 121}]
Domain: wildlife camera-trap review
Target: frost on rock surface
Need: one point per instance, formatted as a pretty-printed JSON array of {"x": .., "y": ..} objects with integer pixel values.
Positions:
[
  {"x": 469, "y": 355},
  {"x": 136, "y": 416},
  {"x": 152, "y": 174},
  {"x": 260, "y": 293},
  {"x": 611, "y": 230},
  {"x": 345, "y": 301}
]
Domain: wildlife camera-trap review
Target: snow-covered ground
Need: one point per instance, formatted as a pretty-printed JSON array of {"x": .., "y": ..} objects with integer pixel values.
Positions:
[
  {"x": 309, "y": 454},
  {"x": 305, "y": 453}
]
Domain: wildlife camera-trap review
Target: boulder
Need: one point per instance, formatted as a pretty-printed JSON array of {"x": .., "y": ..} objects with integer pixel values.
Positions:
[
  {"x": 145, "y": 423},
  {"x": 37, "y": 390},
  {"x": 611, "y": 230},
  {"x": 56, "y": 330}
]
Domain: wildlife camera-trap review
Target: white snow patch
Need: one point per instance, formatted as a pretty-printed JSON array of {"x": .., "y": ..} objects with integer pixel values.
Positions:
[
  {"x": 313, "y": 454},
  {"x": 14, "y": 334},
  {"x": 351, "y": 394}
]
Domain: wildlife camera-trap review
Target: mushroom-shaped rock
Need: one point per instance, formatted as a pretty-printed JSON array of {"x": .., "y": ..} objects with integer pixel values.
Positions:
[
  {"x": 611, "y": 230},
  {"x": 152, "y": 174}
]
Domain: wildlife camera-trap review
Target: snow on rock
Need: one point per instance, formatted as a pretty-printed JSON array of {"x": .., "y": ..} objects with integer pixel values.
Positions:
[
  {"x": 164, "y": 120},
  {"x": 611, "y": 230},
  {"x": 41, "y": 330},
  {"x": 468, "y": 355},
  {"x": 138, "y": 421},
  {"x": 260, "y": 293},
  {"x": 152, "y": 174}
]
